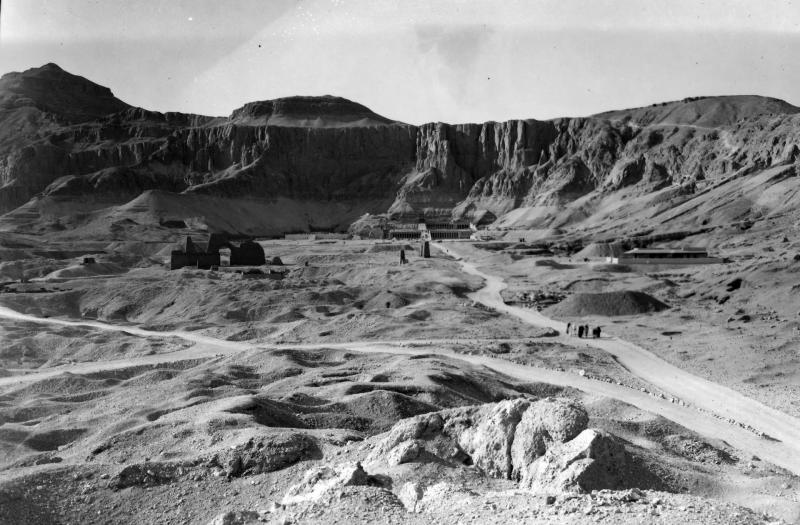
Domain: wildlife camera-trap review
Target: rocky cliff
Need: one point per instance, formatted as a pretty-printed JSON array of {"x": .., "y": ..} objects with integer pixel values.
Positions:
[{"x": 64, "y": 138}]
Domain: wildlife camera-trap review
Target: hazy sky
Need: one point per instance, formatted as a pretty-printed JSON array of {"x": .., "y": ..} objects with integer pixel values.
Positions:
[{"x": 415, "y": 61}]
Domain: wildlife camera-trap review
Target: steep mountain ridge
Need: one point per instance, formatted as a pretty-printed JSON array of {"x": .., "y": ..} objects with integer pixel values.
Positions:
[{"x": 84, "y": 146}]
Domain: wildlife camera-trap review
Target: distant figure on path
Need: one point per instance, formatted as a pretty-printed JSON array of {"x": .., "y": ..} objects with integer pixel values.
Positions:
[
  {"x": 403, "y": 257},
  {"x": 598, "y": 332},
  {"x": 569, "y": 325},
  {"x": 580, "y": 331}
]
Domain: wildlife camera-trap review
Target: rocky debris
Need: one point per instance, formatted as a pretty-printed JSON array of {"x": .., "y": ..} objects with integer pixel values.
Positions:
[
  {"x": 325, "y": 481},
  {"x": 543, "y": 444},
  {"x": 146, "y": 475},
  {"x": 696, "y": 450},
  {"x": 267, "y": 453},
  {"x": 538, "y": 299},
  {"x": 260, "y": 454},
  {"x": 445, "y": 502},
  {"x": 246, "y": 517}
]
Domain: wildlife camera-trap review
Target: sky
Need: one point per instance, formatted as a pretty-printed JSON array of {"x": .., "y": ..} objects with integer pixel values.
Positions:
[{"x": 412, "y": 60}]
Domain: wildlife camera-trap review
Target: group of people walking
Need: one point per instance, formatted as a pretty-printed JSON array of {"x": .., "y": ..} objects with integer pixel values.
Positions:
[{"x": 582, "y": 330}]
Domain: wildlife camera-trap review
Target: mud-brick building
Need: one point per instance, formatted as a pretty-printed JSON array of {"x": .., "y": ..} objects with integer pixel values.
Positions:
[
  {"x": 192, "y": 255},
  {"x": 246, "y": 253}
]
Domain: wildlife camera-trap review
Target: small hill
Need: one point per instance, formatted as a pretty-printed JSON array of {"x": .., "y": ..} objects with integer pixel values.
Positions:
[
  {"x": 703, "y": 111},
  {"x": 608, "y": 304},
  {"x": 600, "y": 249},
  {"x": 311, "y": 112}
]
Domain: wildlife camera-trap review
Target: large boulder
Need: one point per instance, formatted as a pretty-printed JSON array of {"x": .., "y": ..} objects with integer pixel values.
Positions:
[
  {"x": 545, "y": 423},
  {"x": 543, "y": 444},
  {"x": 594, "y": 460},
  {"x": 488, "y": 436}
]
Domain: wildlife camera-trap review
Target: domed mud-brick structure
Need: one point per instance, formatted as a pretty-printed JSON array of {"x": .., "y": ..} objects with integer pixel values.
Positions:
[{"x": 248, "y": 253}]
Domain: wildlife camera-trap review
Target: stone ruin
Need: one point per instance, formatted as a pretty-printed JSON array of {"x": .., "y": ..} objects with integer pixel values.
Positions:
[
  {"x": 246, "y": 253},
  {"x": 425, "y": 249}
]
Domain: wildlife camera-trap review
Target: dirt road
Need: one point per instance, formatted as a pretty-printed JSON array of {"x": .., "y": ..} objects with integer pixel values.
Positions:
[{"x": 650, "y": 368}]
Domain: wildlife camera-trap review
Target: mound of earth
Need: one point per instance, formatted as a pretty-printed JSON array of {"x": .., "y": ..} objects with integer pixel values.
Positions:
[
  {"x": 550, "y": 263},
  {"x": 386, "y": 299},
  {"x": 596, "y": 250},
  {"x": 625, "y": 302}
]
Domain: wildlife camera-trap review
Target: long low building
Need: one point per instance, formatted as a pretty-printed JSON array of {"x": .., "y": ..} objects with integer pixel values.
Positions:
[
  {"x": 433, "y": 230},
  {"x": 652, "y": 256}
]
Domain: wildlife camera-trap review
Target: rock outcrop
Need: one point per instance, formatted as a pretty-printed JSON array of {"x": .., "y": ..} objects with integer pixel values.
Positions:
[
  {"x": 592, "y": 460},
  {"x": 267, "y": 453},
  {"x": 545, "y": 444},
  {"x": 320, "y": 482}
]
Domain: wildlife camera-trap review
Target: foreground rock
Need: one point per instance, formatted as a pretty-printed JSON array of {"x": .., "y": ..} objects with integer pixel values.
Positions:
[
  {"x": 545, "y": 445},
  {"x": 593, "y": 460},
  {"x": 325, "y": 481}
]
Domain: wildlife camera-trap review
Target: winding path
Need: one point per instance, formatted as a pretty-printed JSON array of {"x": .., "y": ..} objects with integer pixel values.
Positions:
[
  {"x": 783, "y": 451},
  {"x": 702, "y": 393}
]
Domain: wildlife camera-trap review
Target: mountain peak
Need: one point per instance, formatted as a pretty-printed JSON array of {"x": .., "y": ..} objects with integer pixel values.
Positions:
[
  {"x": 51, "y": 66},
  {"x": 51, "y": 89}
]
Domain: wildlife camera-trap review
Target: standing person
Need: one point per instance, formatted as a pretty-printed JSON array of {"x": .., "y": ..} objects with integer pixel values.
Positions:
[
  {"x": 598, "y": 332},
  {"x": 569, "y": 325},
  {"x": 580, "y": 331},
  {"x": 402, "y": 256}
]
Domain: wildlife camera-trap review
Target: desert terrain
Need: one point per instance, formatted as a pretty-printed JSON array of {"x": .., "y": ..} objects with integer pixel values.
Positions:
[
  {"x": 143, "y": 394},
  {"x": 145, "y": 378}
]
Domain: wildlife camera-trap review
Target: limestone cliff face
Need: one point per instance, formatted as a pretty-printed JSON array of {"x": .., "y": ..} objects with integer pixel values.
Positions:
[
  {"x": 63, "y": 136},
  {"x": 601, "y": 156},
  {"x": 450, "y": 159},
  {"x": 548, "y": 163},
  {"x": 308, "y": 148}
]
